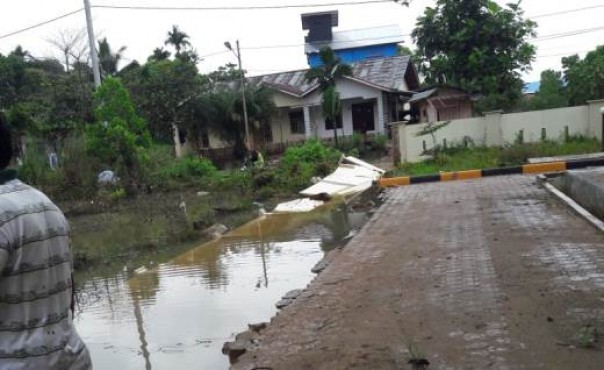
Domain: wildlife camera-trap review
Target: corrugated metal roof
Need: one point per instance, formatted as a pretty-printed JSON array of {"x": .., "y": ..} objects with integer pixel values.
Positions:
[
  {"x": 357, "y": 38},
  {"x": 382, "y": 73},
  {"x": 292, "y": 82},
  {"x": 386, "y": 73},
  {"x": 422, "y": 95}
]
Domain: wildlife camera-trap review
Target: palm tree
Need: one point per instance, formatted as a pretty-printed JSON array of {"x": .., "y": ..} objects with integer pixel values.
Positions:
[
  {"x": 108, "y": 59},
  {"x": 188, "y": 56},
  {"x": 178, "y": 39},
  {"x": 326, "y": 75},
  {"x": 159, "y": 54}
]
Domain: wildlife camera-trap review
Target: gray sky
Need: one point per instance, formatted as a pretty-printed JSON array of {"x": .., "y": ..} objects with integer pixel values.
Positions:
[{"x": 142, "y": 31}]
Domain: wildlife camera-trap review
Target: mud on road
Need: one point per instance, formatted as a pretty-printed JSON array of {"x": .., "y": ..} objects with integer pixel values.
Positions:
[{"x": 480, "y": 274}]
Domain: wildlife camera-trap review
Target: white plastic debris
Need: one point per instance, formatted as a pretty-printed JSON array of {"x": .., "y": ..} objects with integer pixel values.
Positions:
[
  {"x": 352, "y": 176},
  {"x": 107, "y": 177},
  {"x": 298, "y": 205}
]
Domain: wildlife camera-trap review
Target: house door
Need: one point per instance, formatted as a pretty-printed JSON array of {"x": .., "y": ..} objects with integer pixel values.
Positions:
[{"x": 362, "y": 117}]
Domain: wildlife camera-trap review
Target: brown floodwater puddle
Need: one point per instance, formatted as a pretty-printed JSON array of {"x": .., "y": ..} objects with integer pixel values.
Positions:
[{"x": 177, "y": 315}]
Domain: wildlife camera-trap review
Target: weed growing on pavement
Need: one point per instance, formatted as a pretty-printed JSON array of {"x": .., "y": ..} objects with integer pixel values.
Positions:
[
  {"x": 417, "y": 358},
  {"x": 587, "y": 336}
]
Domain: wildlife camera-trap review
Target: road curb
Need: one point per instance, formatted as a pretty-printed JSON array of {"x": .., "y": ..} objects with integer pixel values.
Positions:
[
  {"x": 576, "y": 207},
  {"x": 527, "y": 169}
]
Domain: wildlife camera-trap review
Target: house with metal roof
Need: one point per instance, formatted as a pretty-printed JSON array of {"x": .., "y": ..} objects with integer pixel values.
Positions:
[
  {"x": 372, "y": 97},
  {"x": 441, "y": 103}
]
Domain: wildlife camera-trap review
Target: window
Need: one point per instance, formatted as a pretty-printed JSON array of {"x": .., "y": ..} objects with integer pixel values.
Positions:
[
  {"x": 205, "y": 139},
  {"x": 296, "y": 121},
  {"x": 329, "y": 125}
]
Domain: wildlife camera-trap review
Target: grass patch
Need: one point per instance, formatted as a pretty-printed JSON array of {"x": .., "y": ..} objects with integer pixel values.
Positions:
[{"x": 460, "y": 159}]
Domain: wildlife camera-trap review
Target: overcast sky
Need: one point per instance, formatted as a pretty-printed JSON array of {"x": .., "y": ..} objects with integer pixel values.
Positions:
[{"x": 143, "y": 30}]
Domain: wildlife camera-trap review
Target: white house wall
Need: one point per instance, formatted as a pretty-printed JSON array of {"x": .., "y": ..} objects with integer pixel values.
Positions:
[
  {"x": 281, "y": 128},
  {"x": 216, "y": 142},
  {"x": 283, "y": 100},
  {"x": 351, "y": 92},
  {"x": 348, "y": 89}
]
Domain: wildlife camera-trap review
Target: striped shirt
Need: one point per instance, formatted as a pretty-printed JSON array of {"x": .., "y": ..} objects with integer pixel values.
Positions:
[{"x": 36, "y": 328}]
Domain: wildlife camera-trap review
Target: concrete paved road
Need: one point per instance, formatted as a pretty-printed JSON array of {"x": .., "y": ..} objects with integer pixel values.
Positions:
[{"x": 480, "y": 274}]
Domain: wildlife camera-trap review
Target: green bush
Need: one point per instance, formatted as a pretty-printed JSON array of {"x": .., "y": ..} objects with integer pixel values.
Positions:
[
  {"x": 193, "y": 167},
  {"x": 352, "y": 145},
  {"x": 235, "y": 179},
  {"x": 75, "y": 177},
  {"x": 301, "y": 163},
  {"x": 118, "y": 136},
  {"x": 379, "y": 142},
  {"x": 187, "y": 168},
  {"x": 35, "y": 169}
]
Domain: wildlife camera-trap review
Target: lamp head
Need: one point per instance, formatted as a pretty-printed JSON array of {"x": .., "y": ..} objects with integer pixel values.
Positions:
[{"x": 228, "y": 45}]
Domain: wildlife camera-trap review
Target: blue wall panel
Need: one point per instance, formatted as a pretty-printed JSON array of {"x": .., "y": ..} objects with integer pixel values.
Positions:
[{"x": 357, "y": 54}]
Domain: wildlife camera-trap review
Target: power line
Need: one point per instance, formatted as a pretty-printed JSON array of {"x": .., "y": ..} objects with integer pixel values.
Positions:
[
  {"x": 285, "y": 46},
  {"x": 569, "y": 53},
  {"x": 41, "y": 24},
  {"x": 293, "y": 6},
  {"x": 567, "y": 34},
  {"x": 566, "y": 11}
]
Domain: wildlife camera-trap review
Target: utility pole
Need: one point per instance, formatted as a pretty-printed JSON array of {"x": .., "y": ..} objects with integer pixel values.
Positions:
[
  {"x": 91, "y": 41},
  {"x": 247, "y": 128},
  {"x": 237, "y": 53}
]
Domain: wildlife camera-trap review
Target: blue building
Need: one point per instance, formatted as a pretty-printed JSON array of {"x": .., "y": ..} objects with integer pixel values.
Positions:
[{"x": 350, "y": 46}]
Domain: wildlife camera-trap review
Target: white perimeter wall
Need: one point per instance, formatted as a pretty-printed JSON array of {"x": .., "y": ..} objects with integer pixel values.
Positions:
[{"x": 496, "y": 129}]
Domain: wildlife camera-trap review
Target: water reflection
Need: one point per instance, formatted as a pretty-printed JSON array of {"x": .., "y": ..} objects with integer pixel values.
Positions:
[{"x": 178, "y": 314}]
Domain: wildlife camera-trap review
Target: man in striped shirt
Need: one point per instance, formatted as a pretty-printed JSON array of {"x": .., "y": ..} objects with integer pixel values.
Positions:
[{"x": 36, "y": 328}]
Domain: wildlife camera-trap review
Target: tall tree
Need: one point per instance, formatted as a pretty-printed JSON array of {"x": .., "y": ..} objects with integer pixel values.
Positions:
[
  {"x": 159, "y": 54},
  {"x": 108, "y": 59},
  {"x": 71, "y": 44},
  {"x": 326, "y": 75},
  {"x": 585, "y": 77},
  {"x": 178, "y": 39},
  {"x": 160, "y": 90},
  {"x": 551, "y": 94},
  {"x": 118, "y": 134},
  {"x": 478, "y": 46},
  {"x": 41, "y": 99}
]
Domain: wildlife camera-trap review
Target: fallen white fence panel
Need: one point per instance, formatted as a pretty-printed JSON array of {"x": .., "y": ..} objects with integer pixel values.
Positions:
[
  {"x": 352, "y": 176},
  {"x": 298, "y": 205}
]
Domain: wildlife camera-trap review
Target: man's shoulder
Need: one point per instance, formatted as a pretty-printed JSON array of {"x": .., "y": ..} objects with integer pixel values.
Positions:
[
  {"x": 13, "y": 187},
  {"x": 16, "y": 196}
]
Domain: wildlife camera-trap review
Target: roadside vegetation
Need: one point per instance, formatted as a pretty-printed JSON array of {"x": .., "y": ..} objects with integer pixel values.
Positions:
[
  {"x": 173, "y": 200},
  {"x": 469, "y": 158}
]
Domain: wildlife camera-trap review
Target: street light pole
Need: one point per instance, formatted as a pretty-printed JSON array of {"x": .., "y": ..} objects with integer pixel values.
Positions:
[{"x": 245, "y": 118}]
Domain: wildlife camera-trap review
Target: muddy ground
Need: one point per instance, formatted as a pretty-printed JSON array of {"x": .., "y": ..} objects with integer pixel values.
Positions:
[{"x": 480, "y": 274}]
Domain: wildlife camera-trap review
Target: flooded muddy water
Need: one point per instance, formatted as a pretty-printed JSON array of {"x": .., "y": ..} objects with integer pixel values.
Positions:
[{"x": 177, "y": 315}]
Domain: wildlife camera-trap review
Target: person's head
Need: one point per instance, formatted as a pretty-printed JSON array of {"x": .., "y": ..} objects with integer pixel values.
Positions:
[{"x": 6, "y": 147}]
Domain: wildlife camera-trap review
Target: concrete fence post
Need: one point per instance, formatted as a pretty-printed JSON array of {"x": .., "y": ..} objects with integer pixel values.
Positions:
[
  {"x": 595, "y": 118},
  {"x": 493, "y": 130},
  {"x": 307, "y": 125},
  {"x": 400, "y": 139}
]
